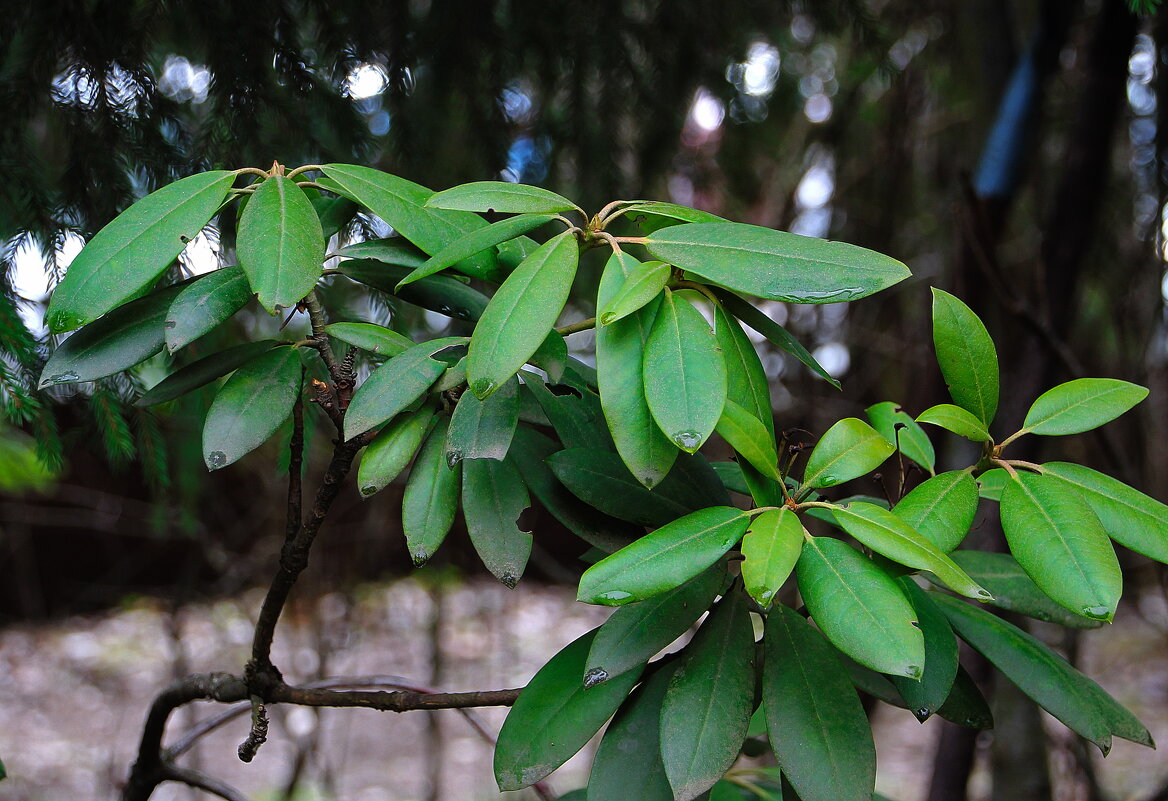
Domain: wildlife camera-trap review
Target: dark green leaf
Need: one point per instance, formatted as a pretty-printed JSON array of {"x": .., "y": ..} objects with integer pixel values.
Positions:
[
  {"x": 483, "y": 429},
  {"x": 1077, "y": 701},
  {"x": 554, "y": 717},
  {"x": 575, "y": 415},
  {"x": 127, "y": 255},
  {"x": 685, "y": 377},
  {"x": 749, "y": 438},
  {"x": 431, "y": 497},
  {"x": 439, "y": 293},
  {"x": 634, "y": 633},
  {"x": 204, "y": 371},
  {"x": 203, "y": 304},
  {"x": 500, "y": 196},
  {"x": 747, "y": 384},
  {"x": 770, "y": 550},
  {"x": 956, "y": 419},
  {"x": 847, "y": 450},
  {"x": 391, "y": 450},
  {"x": 552, "y": 356},
  {"x": 708, "y": 705},
  {"x": 251, "y": 406},
  {"x": 1061, "y": 544},
  {"x": 476, "y": 241},
  {"x": 334, "y": 212},
  {"x": 860, "y": 608},
  {"x": 900, "y": 429},
  {"x": 668, "y": 557},
  {"x": 673, "y": 211},
  {"x": 818, "y": 729},
  {"x": 730, "y": 473},
  {"x": 966, "y": 706},
  {"x": 396, "y": 384},
  {"x": 376, "y": 339},
  {"x": 1081, "y": 405},
  {"x": 774, "y": 332},
  {"x": 941, "y": 508},
  {"x": 600, "y": 479},
  {"x": 280, "y": 243},
  {"x": 1014, "y": 590},
  {"x": 775, "y": 264},
  {"x": 966, "y": 354},
  {"x": 521, "y": 313},
  {"x": 640, "y": 286},
  {"x": 493, "y": 497},
  {"x": 395, "y": 250},
  {"x": 926, "y": 696}
]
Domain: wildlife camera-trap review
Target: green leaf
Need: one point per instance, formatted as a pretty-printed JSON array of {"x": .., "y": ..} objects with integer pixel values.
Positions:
[
  {"x": 483, "y": 429},
  {"x": 395, "y": 250},
  {"x": 673, "y": 211},
  {"x": 376, "y": 339},
  {"x": 1077, "y": 701},
  {"x": 396, "y": 384},
  {"x": 640, "y": 286},
  {"x": 1014, "y": 590},
  {"x": 620, "y": 348},
  {"x": 575, "y": 414},
  {"x": 660, "y": 561},
  {"x": 859, "y": 607},
  {"x": 401, "y": 204},
  {"x": 817, "y": 727},
  {"x": 431, "y": 497},
  {"x": 127, "y": 255},
  {"x": 250, "y": 407},
  {"x": 203, "y": 304},
  {"x": 991, "y": 483},
  {"x": 280, "y": 243},
  {"x": 1081, "y": 405},
  {"x": 955, "y": 419},
  {"x": 126, "y": 336},
  {"x": 746, "y": 380},
  {"x": 1128, "y": 516},
  {"x": 750, "y": 439},
  {"x": 439, "y": 293},
  {"x": 204, "y": 371},
  {"x": 634, "y": 633},
  {"x": 1061, "y": 544},
  {"x": 770, "y": 549},
  {"x": 898, "y": 427},
  {"x": 966, "y": 706},
  {"x": 628, "y": 762},
  {"x": 888, "y": 535},
  {"x": 775, "y": 264},
  {"x": 685, "y": 377},
  {"x": 476, "y": 242},
  {"x": 731, "y": 476},
  {"x": 552, "y": 356},
  {"x": 334, "y": 212},
  {"x": 521, "y": 314},
  {"x": 926, "y": 696},
  {"x": 941, "y": 508},
  {"x": 708, "y": 705},
  {"x": 493, "y": 497},
  {"x": 778, "y": 336},
  {"x": 391, "y": 450},
  {"x": 847, "y": 450},
  {"x": 500, "y": 196},
  {"x": 554, "y": 717},
  {"x": 966, "y": 354}
]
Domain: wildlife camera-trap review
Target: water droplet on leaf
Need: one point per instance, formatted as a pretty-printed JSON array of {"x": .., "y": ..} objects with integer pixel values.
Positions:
[
  {"x": 453, "y": 457},
  {"x": 510, "y": 580},
  {"x": 368, "y": 490},
  {"x": 688, "y": 441},
  {"x": 1097, "y": 612},
  {"x": 216, "y": 459},
  {"x": 913, "y": 671},
  {"x": 922, "y": 714},
  {"x": 59, "y": 322},
  {"x": 420, "y": 558},
  {"x": 607, "y": 318},
  {"x": 60, "y": 378},
  {"x": 595, "y": 676},
  {"x": 614, "y": 596},
  {"x": 482, "y": 388}
]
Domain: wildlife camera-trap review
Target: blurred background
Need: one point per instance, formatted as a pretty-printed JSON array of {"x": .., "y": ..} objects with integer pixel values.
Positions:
[{"x": 1009, "y": 152}]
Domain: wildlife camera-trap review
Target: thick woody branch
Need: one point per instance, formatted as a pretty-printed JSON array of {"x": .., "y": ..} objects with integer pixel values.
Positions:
[{"x": 391, "y": 701}]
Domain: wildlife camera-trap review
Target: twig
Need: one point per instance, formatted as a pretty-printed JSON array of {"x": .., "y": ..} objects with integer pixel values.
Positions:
[
  {"x": 390, "y": 701},
  {"x": 295, "y": 465},
  {"x": 320, "y": 337},
  {"x": 202, "y": 781}
]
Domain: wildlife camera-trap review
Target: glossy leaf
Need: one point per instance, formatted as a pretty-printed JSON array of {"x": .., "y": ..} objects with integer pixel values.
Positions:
[
  {"x": 708, "y": 705},
  {"x": 817, "y": 727},
  {"x": 1060, "y": 543},
  {"x": 746, "y": 381},
  {"x": 500, "y": 196},
  {"x": 395, "y": 250},
  {"x": 966, "y": 354},
  {"x": 126, "y": 256},
  {"x": 1077, "y": 701},
  {"x": 664, "y": 559},
  {"x": 554, "y": 717},
  {"x": 376, "y": 339},
  {"x": 956, "y": 419},
  {"x": 396, "y": 384},
  {"x": 634, "y": 633},
  {"x": 280, "y": 243},
  {"x": 749, "y": 438},
  {"x": 204, "y": 371},
  {"x": 1015, "y": 591},
  {"x": 859, "y": 607},
  {"x": 250, "y": 407},
  {"x": 1129, "y": 517},
  {"x": 1081, "y": 405},
  {"x": 775, "y": 333},
  {"x": 770, "y": 549},
  {"x": 685, "y": 377},
  {"x": 775, "y": 264},
  {"x": 521, "y": 313},
  {"x": 493, "y": 497},
  {"x": 204, "y": 304},
  {"x": 673, "y": 211},
  {"x": 898, "y": 427},
  {"x": 942, "y": 508},
  {"x": 991, "y": 483},
  {"x": 439, "y": 293},
  {"x": 926, "y": 696},
  {"x": 888, "y": 535},
  {"x": 128, "y": 335},
  {"x": 476, "y": 241},
  {"x": 390, "y": 452},
  {"x": 640, "y": 286},
  {"x": 620, "y": 347},
  {"x": 847, "y": 450},
  {"x": 483, "y": 429},
  {"x": 431, "y": 497}
]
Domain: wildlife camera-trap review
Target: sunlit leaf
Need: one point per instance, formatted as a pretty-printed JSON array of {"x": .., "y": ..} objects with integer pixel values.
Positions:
[
  {"x": 966, "y": 354},
  {"x": 483, "y": 429},
  {"x": 749, "y": 438},
  {"x": 1081, "y": 405},
  {"x": 476, "y": 241},
  {"x": 431, "y": 497},
  {"x": 203, "y": 304},
  {"x": 396, "y": 384},
  {"x": 390, "y": 452},
  {"x": 204, "y": 371},
  {"x": 847, "y": 450},
  {"x": 280, "y": 243},
  {"x": 377, "y": 339},
  {"x": 926, "y": 696},
  {"x": 1015, "y": 591},
  {"x": 640, "y": 286},
  {"x": 493, "y": 497},
  {"x": 941, "y": 508},
  {"x": 251, "y": 406},
  {"x": 899, "y": 428},
  {"x": 956, "y": 419},
  {"x": 500, "y": 196},
  {"x": 552, "y": 356},
  {"x": 770, "y": 549},
  {"x": 747, "y": 383}
]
